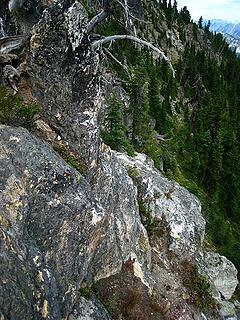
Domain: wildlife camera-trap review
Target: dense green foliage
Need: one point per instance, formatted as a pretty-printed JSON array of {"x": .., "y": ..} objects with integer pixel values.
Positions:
[
  {"x": 15, "y": 112},
  {"x": 196, "y": 115}
]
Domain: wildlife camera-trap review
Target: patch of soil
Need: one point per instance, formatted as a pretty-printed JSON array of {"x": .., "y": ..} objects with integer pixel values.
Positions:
[{"x": 126, "y": 297}]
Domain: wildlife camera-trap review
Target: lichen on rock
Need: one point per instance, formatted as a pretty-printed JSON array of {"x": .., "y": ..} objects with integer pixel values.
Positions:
[
  {"x": 167, "y": 201},
  {"x": 222, "y": 273}
]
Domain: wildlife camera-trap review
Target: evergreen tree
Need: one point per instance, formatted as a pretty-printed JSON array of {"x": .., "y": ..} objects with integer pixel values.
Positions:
[
  {"x": 175, "y": 6},
  {"x": 139, "y": 108},
  {"x": 164, "y": 4},
  {"x": 185, "y": 15},
  {"x": 207, "y": 27},
  {"x": 114, "y": 132},
  {"x": 158, "y": 109},
  {"x": 200, "y": 22}
]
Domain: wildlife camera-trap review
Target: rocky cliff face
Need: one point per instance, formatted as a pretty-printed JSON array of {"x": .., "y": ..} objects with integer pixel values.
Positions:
[{"x": 116, "y": 240}]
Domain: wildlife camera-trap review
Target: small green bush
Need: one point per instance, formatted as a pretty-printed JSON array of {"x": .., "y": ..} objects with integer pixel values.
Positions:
[
  {"x": 72, "y": 159},
  {"x": 15, "y": 112},
  {"x": 198, "y": 287},
  {"x": 133, "y": 172},
  {"x": 85, "y": 293},
  {"x": 145, "y": 214}
]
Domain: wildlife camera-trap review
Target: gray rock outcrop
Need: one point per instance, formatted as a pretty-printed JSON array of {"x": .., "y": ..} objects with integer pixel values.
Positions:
[
  {"x": 166, "y": 201},
  {"x": 49, "y": 221},
  {"x": 222, "y": 273},
  {"x": 57, "y": 233}
]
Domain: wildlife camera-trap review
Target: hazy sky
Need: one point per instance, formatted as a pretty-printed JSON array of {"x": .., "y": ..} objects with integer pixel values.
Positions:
[{"x": 212, "y": 9}]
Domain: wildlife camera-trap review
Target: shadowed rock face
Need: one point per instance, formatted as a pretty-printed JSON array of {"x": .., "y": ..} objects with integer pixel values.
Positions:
[
  {"x": 50, "y": 224},
  {"x": 55, "y": 233},
  {"x": 28, "y": 12},
  {"x": 8, "y": 23}
]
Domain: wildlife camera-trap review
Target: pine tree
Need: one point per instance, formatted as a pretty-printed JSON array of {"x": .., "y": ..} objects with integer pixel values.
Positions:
[
  {"x": 114, "y": 132},
  {"x": 185, "y": 15},
  {"x": 140, "y": 109},
  {"x": 207, "y": 27},
  {"x": 200, "y": 22},
  {"x": 158, "y": 110},
  {"x": 175, "y": 6}
]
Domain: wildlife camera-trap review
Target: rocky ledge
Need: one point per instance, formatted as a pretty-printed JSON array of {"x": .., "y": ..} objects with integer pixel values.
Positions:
[{"x": 63, "y": 249}]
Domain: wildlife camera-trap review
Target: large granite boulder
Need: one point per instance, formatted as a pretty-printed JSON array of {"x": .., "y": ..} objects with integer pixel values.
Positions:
[{"x": 57, "y": 235}]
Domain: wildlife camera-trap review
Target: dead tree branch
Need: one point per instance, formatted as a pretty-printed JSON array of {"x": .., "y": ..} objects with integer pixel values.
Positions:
[
  {"x": 101, "y": 42},
  {"x": 128, "y": 13},
  {"x": 107, "y": 6},
  {"x": 96, "y": 20},
  {"x": 8, "y": 44}
]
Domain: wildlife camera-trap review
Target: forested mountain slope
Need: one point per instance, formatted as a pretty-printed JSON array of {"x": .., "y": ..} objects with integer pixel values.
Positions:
[
  {"x": 119, "y": 145},
  {"x": 196, "y": 114}
]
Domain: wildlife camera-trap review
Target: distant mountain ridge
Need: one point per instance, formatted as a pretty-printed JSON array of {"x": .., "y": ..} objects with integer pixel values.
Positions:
[
  {"x": 230, "y": 30},
  {"x": 227, "y": 27},
  {"x": 234, "y": 42}
]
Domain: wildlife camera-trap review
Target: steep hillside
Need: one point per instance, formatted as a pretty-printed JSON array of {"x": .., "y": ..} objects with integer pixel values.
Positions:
[{"x": 112, "y": 116}]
